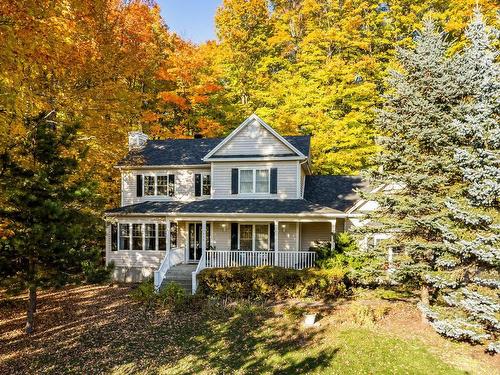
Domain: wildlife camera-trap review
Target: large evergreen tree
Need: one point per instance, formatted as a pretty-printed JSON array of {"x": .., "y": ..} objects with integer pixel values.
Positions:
[
  {"x": 466, "y": 281},
  {"x": 440, "y": 138},
  {"x": 46, "y": 209},
  {"x": 417, "y": 157}
]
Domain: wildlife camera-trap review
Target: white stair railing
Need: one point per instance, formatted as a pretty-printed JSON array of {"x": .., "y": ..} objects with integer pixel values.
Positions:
[
  {"x": 172, "y": 258},
  {"x": 201, "y": 266}
]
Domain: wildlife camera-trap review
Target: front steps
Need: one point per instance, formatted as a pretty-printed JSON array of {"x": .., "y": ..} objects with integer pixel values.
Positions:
[{"x": 182, "y": 275}]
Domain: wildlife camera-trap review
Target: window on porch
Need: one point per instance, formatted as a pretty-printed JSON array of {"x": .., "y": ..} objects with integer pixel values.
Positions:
[{"x": 254, "y": 237}]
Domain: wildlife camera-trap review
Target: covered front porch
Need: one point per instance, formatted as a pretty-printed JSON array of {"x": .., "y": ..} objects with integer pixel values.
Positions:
[{"x": 238, "y": 242}]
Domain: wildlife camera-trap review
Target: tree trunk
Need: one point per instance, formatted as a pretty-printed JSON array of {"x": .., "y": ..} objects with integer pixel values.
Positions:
[
  {"x": 30, "y": 316},
  {"x": 424, "y": 299}
]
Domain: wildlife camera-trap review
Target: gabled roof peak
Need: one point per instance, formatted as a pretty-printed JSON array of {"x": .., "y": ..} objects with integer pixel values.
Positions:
[{"x": 252, "y": 119}]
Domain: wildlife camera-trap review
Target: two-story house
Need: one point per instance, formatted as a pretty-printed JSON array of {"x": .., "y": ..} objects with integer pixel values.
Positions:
[{"x": 245, "y": 200}]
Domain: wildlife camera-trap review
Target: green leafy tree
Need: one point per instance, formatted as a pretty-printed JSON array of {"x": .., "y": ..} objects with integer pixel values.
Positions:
[{"x": 46, "y": 207}]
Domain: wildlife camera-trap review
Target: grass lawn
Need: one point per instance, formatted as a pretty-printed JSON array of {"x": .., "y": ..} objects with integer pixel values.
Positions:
[{"x": 99, "y": 329}]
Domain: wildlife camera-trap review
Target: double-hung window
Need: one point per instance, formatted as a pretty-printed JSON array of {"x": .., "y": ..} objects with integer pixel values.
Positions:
[
  {"x": 262, "y": 181},
  {"x": 160, "y": 185},
  {"x": 206, "y": 184},
  {"x": 136, "y": 236},
  {"x": 124, "y": 234},
  {"x": 254, "y": 237},
  {"x": 149, "y": 185},
  {"x": 162, "y": 237},
  {"x": 150, "y": 236},
  {"x": 254, "y": 181}
]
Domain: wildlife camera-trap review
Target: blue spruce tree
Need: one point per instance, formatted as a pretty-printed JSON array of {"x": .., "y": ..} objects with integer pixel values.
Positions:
[{"x": 466, "y": 278}]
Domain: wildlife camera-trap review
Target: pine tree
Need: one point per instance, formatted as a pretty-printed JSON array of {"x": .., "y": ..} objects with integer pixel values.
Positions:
[
  {"x": 46, "y": 208},
  {"x": 467, "y": 279},
  {"x": 416, "y": 163}
]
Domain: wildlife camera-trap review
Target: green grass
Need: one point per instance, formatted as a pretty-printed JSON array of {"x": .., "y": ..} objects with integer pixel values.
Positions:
[{"x": 101, "y": 330}]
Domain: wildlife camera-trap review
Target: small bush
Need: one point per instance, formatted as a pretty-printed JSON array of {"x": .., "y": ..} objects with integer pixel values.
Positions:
[
  {"x": 271, "y": 283},
  {"x": 145, "y": 293},
  {"x": 96, "y": 274},
  {"x": 364, "y": 314},
  {"x": 172, "y": 295}
]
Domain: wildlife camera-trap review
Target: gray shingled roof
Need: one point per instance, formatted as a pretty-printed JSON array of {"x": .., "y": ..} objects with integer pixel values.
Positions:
[
  {"x": 188, "y": 151},
  {"x": 337, "y": 192},
  {"x": 223, "y": 206}
]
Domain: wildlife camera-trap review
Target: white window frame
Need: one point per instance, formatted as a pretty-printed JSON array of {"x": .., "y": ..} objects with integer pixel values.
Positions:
[
  {"x": 254, "y": 237},
  {"x": 129, "y": 237},
  {"x": 155, "y": 177},
  {"x": 143, "y": 231},
  {"x": 203, "y": 175},
  {"x": 143, "y": 228},
  {"x": 254, "y": 180},
  {"x": 144, "y": 185}
]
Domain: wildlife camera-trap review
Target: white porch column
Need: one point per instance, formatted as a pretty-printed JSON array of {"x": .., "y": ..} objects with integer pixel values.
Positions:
[
  {"x": 167, "y": 239},
  {"x": 203, "y": 236},
  {"x": 297, "y": 235},
  {"x": 276, "y": 236},
  {"x": 334, "y": 225}
]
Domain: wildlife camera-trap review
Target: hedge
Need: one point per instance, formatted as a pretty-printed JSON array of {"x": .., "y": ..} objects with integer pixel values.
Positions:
[{"x": 272, "y": 283}]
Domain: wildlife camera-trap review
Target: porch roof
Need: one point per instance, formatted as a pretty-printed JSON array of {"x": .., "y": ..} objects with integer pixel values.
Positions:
[{"x": 227, "y": 206}]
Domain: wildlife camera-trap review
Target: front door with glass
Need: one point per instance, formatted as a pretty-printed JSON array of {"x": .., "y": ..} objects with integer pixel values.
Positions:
[{"x": 195, "y": 241}]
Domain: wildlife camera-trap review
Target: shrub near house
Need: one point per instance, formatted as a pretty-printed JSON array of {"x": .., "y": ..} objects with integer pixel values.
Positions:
[{"x": 272, "y": 283}]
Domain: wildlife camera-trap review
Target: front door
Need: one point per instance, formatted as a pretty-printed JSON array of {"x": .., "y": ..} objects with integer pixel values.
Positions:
[{"x": 195, "y": 241}]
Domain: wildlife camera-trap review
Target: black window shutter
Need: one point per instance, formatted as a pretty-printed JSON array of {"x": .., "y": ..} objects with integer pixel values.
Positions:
[
  {"x": 197, "y": 185},
  {"x": 274, "y": 181},
  {"x": 271, "y": 237},
  {"x": 114, "y": 237},
  {"x": 171, "y": 185},
  {"x": 234, "y": 181},
  {"x": 139, "y": 185},
  {"x": 234, "y": 236}
]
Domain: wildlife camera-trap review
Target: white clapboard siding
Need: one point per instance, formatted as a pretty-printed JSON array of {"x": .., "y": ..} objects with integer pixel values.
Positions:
[
  {"x": 136, "y": 259},
  {"x": 287, "y": 236},
  {"x": 287, "y": 179},
  {"x": 221, "y": 237},
  {"x": 254, "y": 139},
  {"x": 184, "y": 185},
  {"x": 312, "y": 233}
]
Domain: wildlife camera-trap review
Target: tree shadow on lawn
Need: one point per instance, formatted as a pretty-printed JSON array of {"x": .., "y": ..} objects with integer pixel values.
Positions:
[{"x": 100, "y": 329}]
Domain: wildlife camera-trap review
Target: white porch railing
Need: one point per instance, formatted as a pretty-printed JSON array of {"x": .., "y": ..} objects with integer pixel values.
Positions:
[
  {"x": 172, "y": 257},
  {"x": 235, "y": 258},
  {"x": 287, "y": 259}
]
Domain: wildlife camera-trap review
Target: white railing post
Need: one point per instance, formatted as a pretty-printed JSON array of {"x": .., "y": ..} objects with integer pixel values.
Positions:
[{"x": 334, "y": 228}]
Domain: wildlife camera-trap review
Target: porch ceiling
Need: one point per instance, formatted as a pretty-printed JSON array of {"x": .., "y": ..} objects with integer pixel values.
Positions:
[{"x": 243, "y": 207}]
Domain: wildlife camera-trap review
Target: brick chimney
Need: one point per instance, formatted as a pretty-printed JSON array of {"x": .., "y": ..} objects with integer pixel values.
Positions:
[{"x": 136, "y": 140}]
